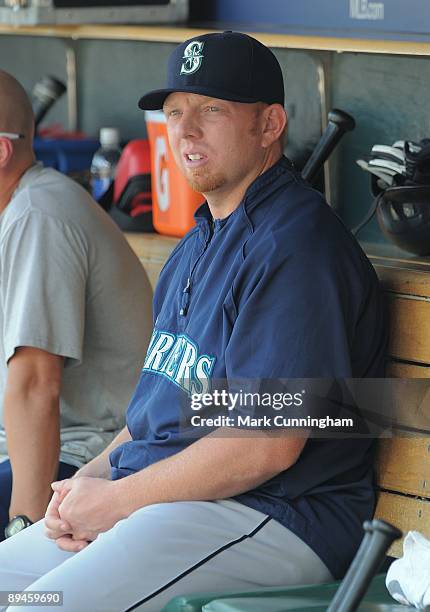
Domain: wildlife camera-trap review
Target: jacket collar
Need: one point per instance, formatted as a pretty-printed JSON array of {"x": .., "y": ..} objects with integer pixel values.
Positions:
[{"x": 281, "y": 173}]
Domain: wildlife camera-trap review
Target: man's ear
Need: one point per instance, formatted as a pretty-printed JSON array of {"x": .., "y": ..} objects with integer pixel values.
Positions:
[
  {"x": 6, "y": 151},
  {"x": 274, "y": 123}
]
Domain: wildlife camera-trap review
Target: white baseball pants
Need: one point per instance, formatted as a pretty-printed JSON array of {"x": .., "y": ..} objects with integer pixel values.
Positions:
[{"x": 157, "y": 553}]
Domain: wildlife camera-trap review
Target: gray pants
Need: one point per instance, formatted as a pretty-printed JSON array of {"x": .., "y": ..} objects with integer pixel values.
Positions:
[{"x": 159, "y": 552}]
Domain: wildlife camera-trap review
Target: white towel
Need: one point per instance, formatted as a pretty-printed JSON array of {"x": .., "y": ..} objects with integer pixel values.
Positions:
[{"x": 408, "y": 579}]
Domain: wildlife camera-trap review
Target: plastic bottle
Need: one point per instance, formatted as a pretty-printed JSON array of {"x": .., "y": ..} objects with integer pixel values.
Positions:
[{"x": 104, "y": 162}]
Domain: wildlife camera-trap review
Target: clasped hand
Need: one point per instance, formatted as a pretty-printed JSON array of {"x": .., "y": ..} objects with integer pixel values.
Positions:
[{"x": 80, "y": 509}]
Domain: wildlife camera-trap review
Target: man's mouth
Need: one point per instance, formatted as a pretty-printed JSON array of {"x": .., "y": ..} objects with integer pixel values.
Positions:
[{"x": 194, "y": 159}]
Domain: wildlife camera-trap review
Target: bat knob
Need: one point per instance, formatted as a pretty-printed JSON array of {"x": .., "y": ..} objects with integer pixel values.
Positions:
[{"x": 344, "y": 121}]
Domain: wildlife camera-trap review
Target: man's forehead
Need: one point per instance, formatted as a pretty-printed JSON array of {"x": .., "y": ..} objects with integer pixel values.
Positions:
[{"x": 180, "y": 97}]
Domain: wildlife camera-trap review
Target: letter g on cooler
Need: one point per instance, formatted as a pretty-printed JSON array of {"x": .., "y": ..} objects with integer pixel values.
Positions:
[
  {"x": 160, "y": 160},
  {"x": 162, "y": 173}
]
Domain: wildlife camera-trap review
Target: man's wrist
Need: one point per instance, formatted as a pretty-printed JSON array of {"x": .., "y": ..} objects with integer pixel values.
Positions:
[
  {"x": 125, "y": 498},
  {"x": 16, "y": 524},
  {"x": 96, "y": 468},
  {"x": 32, "y": 506}
]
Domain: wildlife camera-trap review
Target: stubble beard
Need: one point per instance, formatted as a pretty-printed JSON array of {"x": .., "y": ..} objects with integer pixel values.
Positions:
[{"x": 203, "y": 182}]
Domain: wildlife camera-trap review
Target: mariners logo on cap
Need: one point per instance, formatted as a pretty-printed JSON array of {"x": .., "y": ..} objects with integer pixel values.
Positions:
[{"x": 193, "y": 56}]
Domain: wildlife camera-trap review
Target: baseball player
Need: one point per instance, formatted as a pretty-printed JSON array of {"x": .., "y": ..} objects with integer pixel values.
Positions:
[
  {"x": 269, "y": 285},
  {"x": 75, "y": 320}
]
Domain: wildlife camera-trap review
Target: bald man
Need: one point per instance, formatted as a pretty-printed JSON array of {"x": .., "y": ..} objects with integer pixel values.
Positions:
[{"x": 75, "y": 319}]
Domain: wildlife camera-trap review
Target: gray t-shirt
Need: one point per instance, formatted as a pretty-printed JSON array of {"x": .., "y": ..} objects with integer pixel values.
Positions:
[{"x": 71, "y": 285}]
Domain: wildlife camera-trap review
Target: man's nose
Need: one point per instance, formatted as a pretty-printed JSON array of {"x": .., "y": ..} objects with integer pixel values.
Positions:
[{"x": 189, "y": 126}]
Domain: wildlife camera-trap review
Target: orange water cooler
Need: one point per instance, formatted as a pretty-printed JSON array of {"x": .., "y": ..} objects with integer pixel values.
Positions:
[{"x": 174, "y": 202}]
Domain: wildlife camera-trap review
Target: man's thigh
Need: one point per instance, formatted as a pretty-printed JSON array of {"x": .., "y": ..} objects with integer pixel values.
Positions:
[
  {"x": 64, "y": 471},
  {"x": 27, "y": 556},
  {"x": 170, "y": 549}
]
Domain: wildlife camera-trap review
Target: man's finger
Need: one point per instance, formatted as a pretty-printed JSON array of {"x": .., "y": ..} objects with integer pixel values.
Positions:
[
  {"x": 59, "y": 485},
  {"x": 84, "y": 536},
  {"x": 53, "y": 534},
  {"x": 52, "y": 509},
  {"x": 57, "y": 524},
  {"x": 66, "y": 543}
]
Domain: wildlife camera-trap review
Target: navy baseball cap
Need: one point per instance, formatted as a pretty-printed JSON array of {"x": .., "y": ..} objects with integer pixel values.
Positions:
[{"x": 227, "y": 65}]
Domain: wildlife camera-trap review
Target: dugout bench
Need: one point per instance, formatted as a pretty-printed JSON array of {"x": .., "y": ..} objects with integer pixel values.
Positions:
[{"x": 403, "y": 461}]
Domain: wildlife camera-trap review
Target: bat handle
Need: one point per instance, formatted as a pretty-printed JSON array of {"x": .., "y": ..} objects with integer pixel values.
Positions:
[
  {"x": 379, "y": 535},
  {"x": 339, "y": 123}
]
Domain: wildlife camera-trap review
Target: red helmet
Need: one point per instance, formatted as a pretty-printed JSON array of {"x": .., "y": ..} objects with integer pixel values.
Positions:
[{"x": 132, "y": 201}]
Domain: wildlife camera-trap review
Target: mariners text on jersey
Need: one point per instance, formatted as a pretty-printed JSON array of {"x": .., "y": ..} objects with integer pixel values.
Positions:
[{"x": 176, "y": 357}]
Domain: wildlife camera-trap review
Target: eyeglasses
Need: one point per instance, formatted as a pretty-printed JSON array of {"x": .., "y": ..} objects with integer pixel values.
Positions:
[{"x": 11, "y": 135}]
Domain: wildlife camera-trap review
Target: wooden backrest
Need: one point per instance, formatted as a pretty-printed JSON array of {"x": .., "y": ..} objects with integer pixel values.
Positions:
[
  {"x": 153, "y": 251},
  {"x": 403, "y": 463}
]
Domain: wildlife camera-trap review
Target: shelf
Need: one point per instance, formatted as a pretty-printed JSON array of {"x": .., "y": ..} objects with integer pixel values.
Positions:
[
  {"x": 392, "y": 255},
  {"x": 179, "y": 34}
]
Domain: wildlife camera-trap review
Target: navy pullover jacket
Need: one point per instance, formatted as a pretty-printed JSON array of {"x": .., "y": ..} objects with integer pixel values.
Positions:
[{"x": 277, "y": 290}]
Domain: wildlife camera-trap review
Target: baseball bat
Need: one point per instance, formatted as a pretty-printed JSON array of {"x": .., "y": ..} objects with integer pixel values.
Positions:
[
  {"x": 379, "y": 535},
  {"x": 338, "y": 124},
  {"x": 45, "y": 93}
]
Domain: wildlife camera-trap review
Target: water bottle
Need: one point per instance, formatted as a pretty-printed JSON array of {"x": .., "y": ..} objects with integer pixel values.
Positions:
[{"x": 104, "y": 163}]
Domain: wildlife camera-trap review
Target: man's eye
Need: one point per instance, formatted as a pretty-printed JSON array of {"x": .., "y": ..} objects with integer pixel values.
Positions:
[
  {"x": 174, "y": 112},
  {"x": 212, "y": 109}
]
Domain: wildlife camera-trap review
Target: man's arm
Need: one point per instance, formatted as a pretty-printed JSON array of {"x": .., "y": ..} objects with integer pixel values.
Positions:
[
  {"x": 99, "y": 467},
  {"x": 221, "y": 465},
  {"x": 218, "y": 466},
  {"x": 32, "y": 425}
]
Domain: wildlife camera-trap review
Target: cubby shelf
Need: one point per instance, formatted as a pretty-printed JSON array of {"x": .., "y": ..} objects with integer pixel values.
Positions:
[{"x": 178, "y": 34}]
